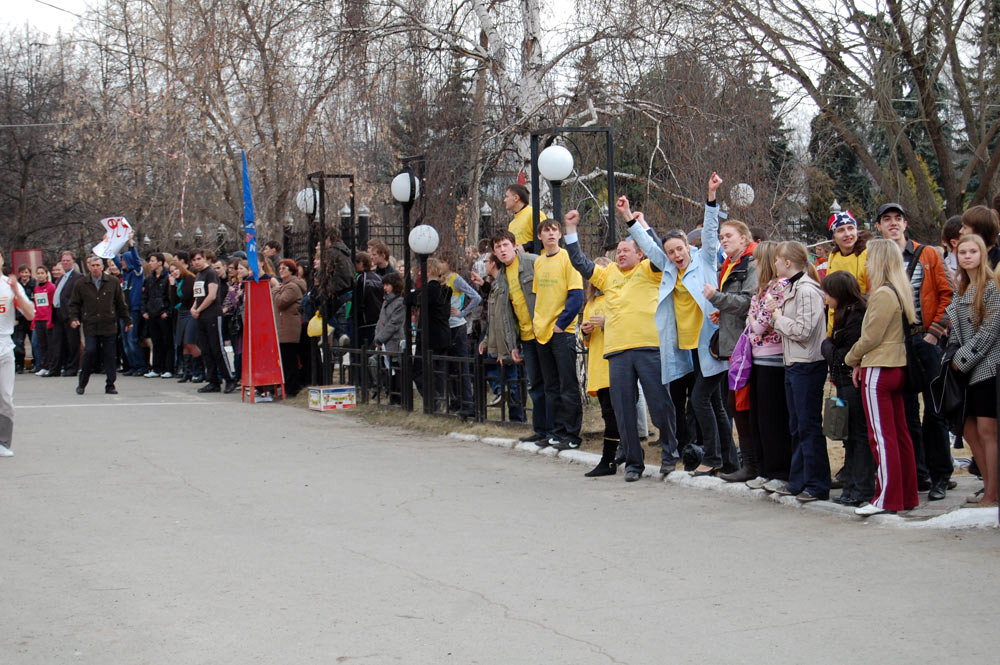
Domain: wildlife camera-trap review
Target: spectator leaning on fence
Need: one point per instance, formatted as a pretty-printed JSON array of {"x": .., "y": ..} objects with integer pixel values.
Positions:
[{"x": 631, "y": 345}]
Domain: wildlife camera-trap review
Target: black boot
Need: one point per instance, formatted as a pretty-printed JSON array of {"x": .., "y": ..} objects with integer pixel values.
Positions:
[
  {"x": 197, "y": 370},
  {"x": 747, "y": 470},
  {"x": 185, "y": 369},
  {"x": 607, "y": 466}
]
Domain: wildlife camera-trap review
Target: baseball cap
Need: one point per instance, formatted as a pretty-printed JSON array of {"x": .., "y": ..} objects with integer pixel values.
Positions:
[{"x": 886, "y": 207}]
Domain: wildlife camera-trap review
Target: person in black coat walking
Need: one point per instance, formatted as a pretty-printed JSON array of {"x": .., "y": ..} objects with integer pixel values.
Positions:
[
  {"x": 98, "y": 302},
  {"x": 156, "y": 312}
]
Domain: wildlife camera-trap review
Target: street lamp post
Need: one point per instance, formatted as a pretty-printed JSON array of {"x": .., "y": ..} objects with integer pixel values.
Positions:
[
  {"x": 364, "y": 217},
  {"x": 220, "y": 237},
  {"x": 423, "y": 240},
  {"x": 485, "y": 221},
  {"x": 178, "y": 239},
  {"x": 405, "y": 189},
  {"x": 555, "y": 164},
  {"x": 561, "y": 168},
  {"x": 199, "y": 236}
]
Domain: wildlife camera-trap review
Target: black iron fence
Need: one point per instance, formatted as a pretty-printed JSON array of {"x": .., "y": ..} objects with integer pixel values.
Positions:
[{"x": 476, "y": 388}]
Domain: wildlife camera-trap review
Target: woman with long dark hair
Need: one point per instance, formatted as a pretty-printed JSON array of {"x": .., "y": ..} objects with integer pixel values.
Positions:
[{"x": 844, "y": 297}]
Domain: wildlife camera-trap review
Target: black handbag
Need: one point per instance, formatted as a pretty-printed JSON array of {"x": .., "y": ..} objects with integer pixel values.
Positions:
[{"x": 948, "y": 392}]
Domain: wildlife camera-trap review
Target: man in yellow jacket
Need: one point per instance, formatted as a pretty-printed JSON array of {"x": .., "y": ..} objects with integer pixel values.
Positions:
[
  {"x": 516, "y": 199},
  {"x": 631, "y": 343}
]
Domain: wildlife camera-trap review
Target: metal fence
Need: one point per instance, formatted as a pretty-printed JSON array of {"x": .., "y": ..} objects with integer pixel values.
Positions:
[{"x": 476, "y": 388}]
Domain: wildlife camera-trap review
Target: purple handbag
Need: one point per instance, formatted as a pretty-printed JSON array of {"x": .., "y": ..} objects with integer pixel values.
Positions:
[{"x": 740, "y": 361}]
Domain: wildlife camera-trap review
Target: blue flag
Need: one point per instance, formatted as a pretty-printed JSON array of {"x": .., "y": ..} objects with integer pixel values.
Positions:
[{"x": 248, "y": 221}]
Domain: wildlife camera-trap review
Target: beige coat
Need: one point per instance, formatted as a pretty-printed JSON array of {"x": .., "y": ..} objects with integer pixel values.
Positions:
[
  {"x": 881, "y": 343},
  {"x": 801, "y": 322},
  {"x": 288, "y": 309}
]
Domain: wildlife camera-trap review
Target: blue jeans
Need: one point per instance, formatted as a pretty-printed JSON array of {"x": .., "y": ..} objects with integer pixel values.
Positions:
[
  {"x": 511, "y": 375},
  {"x": 810, "y": 470},
  {"x": 626, "y": 370},
  {"x": 130, "y": 341},
  {"x": 541, "y": 418}
]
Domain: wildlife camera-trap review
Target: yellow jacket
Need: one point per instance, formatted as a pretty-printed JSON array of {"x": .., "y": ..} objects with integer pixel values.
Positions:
[
  {"x": 598, "y": 373},
  {"x": 852, "y": 263}
]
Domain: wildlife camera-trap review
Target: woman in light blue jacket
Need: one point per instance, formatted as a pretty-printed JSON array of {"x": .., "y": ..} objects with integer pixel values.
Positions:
[{"x": 684, "y": 318}]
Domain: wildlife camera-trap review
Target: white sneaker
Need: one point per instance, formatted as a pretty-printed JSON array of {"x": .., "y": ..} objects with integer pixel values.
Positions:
[
  {"x": 151, "y": 374},
  {"x": 773, "y": 485},
  {"x": 167, "y": 375},
  {"x": 6, "y": 452},
  {"x": 868, "y": 510},
  {"x": 757, "y": 483},
  {"x": 42, "y": 372}
]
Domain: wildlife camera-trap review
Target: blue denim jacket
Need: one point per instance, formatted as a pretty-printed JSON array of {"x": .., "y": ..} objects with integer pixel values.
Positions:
[{"x": 674, "y": 362}]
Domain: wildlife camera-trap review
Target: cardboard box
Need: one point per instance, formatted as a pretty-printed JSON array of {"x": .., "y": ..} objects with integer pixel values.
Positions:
[{"x": 328, "y": 398}]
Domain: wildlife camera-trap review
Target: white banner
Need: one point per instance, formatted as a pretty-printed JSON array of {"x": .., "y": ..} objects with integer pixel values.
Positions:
[{"x": 116, "y": 233}]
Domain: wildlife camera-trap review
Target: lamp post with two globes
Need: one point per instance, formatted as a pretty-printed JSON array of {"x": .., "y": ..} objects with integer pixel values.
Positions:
[
  {"x": 405, "y": 189},
  {"x": 423, "y": 241}
]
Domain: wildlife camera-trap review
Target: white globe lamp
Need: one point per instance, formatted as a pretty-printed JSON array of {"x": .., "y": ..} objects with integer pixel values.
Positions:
[
  {"x": 555, "y": 163},
  {"x": 307, "y": 200},
  {"x": 424, "y": 240},
  {"x": 741, "y": 195},
  {"x": 401, "y": 188}
]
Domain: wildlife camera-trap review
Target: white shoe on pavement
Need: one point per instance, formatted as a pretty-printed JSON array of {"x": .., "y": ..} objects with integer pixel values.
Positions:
[
  {"x": 151, "y": 374},
  {"x": 42, "y": 372},
  {"x": 868, "y": 510},
  {"x": 167, "y": 375},
  {"x": 6, "y": 452}
]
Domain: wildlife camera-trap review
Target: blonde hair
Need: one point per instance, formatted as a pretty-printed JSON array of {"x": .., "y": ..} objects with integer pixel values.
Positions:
[
  {"x": 435, "y": 268},
  {"x": 740, "y": 227},
  {"x": 592, "y": 290},
  {"x": 796, "y": 253},
  {"x": 980, "y": 275},
  {"x": 885, "y": 268},
  {"x": 763, "y": 257}
]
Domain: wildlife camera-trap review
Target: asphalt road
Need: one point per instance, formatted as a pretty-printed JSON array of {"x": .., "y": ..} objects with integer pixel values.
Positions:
[{"x": 158, "y": 526}]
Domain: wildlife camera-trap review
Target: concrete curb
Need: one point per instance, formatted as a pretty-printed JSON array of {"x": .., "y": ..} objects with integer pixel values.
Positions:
[{"x": 964, "y": 518}]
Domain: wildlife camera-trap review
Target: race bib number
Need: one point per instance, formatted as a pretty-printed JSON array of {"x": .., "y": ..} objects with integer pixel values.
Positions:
[
  {"x": 41, "y": 299},
  {"x": 199, "y": 289},
  {"x": 4, "y": 304}
]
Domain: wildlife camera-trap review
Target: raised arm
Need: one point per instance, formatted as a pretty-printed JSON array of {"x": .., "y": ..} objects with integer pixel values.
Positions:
[
  {"x": 710, "y": 227},
  {"x": 580, "y": 262}
]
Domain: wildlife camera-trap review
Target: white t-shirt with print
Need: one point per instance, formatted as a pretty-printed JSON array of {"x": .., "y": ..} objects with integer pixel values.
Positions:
[{"x": 7, "y": 317}]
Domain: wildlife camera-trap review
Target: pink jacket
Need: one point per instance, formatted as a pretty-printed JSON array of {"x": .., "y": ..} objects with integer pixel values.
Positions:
[
  {"x": 44, "y": 312},
  {"x": 764, "y": 340}
]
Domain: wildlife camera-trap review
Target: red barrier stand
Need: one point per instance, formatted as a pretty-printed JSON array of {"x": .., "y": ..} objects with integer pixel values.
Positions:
[{"x": 261, "y": 357}]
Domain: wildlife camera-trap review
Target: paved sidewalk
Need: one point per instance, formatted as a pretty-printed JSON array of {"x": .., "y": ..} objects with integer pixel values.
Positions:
[{"x": 160, "y": 526}]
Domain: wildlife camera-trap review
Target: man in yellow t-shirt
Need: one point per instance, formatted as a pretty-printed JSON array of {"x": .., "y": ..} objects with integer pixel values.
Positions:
[
  {"x": 631, "y": 344},
  {"x": 515, "y": 281},
  {"x": 558, "y": 290},
  {"x": 516, "y": 199}
]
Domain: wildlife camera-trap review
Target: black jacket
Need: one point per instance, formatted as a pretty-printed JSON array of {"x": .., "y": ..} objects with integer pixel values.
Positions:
[
  {"x": 439, "y": 306},
  {"x": 62, "y": 311},
  {"x": 836, "y": 346},
  {"x": 99, "y": 311},
  {"x": 155, "y": 299}
]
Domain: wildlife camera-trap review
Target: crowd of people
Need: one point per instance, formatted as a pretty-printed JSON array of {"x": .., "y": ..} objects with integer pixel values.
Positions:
[
  {"x": 698, "y": 332},
  {"x": 707, "y": 334}
]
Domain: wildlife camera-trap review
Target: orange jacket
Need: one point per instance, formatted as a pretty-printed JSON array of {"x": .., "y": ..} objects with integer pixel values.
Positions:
[{"x": 935, "y": 291}]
